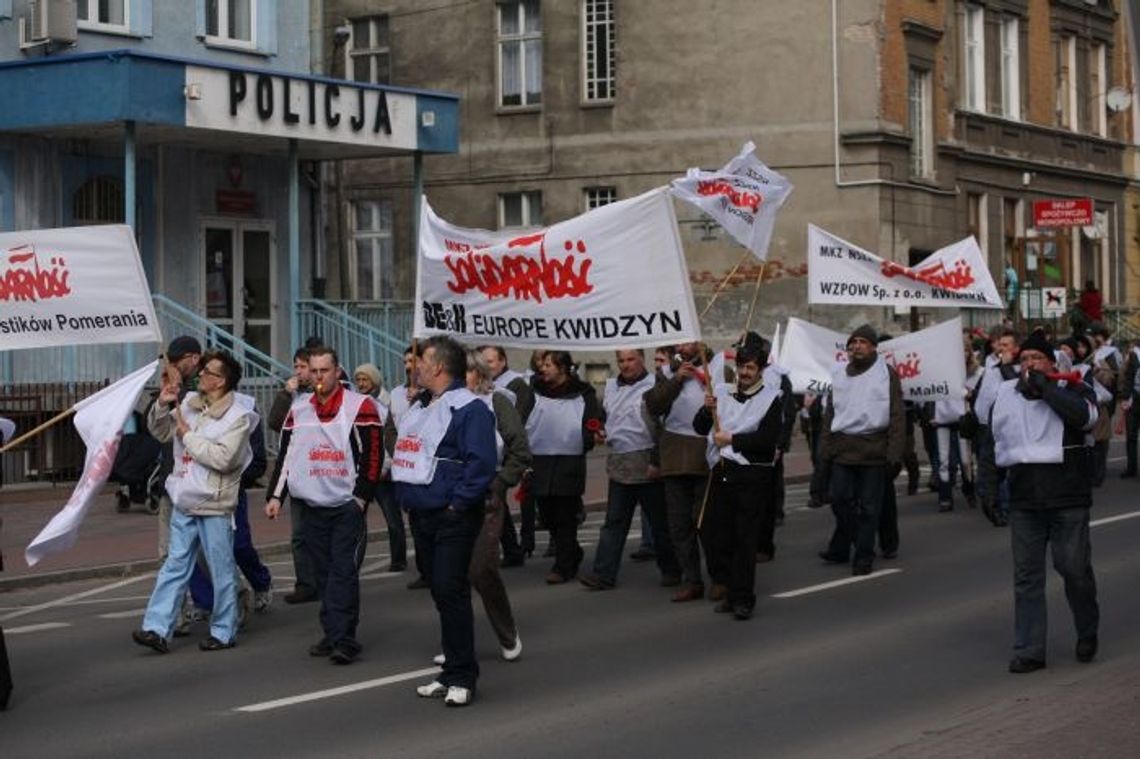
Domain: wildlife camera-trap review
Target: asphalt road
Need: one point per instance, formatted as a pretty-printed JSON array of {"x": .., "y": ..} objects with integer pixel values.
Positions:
[{"x": 910, "y": 661}]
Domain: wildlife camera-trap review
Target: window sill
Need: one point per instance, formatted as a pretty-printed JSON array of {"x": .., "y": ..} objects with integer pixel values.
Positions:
[
  {"x": 109, "y": 29},
  {"x": 236, "y": 46},
  {"x": 511, "y": 110},
  {"x": 610, "y": 103}
]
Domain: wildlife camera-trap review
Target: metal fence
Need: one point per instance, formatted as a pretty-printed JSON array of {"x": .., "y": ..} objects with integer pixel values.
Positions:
[
  {"x": 361, "y": 333},
  {"x": 57, "y": 454}
]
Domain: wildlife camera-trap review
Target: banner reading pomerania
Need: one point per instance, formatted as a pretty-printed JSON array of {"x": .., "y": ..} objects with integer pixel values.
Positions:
[
  {"x": 73, "y": 286},
  {"x": 930, "y": 363},
  {"x": 612, "y": 277},
  {"x": 952, "y": 277}
]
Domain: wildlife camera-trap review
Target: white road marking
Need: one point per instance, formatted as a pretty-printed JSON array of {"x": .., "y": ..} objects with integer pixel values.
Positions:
[
  {"x": 1117, "y": 518},
  {"x": 265, "y": 706},
  {"x": 74, "y": 597},
  {"x": 36, "y": 628},
  {"x": 123, "y": 614},
  {"x": 835, "y": 584}
]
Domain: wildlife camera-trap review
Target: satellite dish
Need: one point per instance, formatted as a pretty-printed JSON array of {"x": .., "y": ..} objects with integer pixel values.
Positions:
[{"x": 1118, "y": 99}]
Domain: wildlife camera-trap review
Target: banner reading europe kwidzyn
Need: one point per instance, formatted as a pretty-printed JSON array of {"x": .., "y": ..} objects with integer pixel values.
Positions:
[
  {"x": 930, "y": 363},
  {"x": 952, "y": 277},
  {"x": 74, "y": 286},
  {"x": 613, "y": 277}
]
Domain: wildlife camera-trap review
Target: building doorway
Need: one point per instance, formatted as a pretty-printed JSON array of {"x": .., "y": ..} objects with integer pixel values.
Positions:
[{"x": 239, "y": 292}]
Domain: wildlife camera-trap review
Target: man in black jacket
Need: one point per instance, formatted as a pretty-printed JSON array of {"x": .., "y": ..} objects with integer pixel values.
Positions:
[{"x": 1039, "y": 426}]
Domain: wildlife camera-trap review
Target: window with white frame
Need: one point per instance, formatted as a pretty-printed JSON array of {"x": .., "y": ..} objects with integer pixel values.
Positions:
[
  {"x": 1010, "y": 68},
  {"x": 231, "y": 22},
  {"x": 596, "y": 197},
  {"x": 920, "y": 117},
  {"x": 976, "y": 221},
  {"x": 520, "y": 209},
  {"x": 598, "y": 78},
  {"x": 975, "y": 58},
  {"x": 520, "y": 53},
  {"x": 112, "y": 15},
  {"x": 1067, "y": 82},
  {"x": 1098, "y": 86},
  {"x": 367, "y": 50},
  {"x": 373, "y": 258}
]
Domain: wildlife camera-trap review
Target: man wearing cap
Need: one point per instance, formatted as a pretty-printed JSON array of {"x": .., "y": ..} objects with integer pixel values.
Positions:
[
  {"x": 1106, "y": 363},
  {"x": 182, "y": 357},
  {"x": 1039, "y": 426},
  {"x": 863, "y": 436}
]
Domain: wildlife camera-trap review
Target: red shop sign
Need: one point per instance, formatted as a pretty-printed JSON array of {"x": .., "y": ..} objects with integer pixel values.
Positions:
[{"x": 1067, "y": 212}]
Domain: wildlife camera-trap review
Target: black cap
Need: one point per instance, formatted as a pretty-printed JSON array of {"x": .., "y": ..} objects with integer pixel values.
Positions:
[
  {"x": 182, "y": 346},
  {"x": 867, "y": 332},
  {"x": 1037, "y": 342}
]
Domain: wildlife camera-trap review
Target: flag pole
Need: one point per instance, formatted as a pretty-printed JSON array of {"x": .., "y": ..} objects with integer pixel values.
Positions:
[
  {"x": 755, "y": 296},
  {"x": 724, "y": 283},
  {"x": 32, "y": 433}
]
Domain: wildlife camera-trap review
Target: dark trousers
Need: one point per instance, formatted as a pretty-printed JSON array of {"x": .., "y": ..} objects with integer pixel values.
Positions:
[
  {"x": 337, "y": 537},
  {"x": 515, "y": 545},
  {"x": 303, "y": 570},
  {"x": 1099, "y": 459},
  {"x": 245, "y": 556},
  {"x": 394, "y": 519},
  {"x": 856, "y": 502},
  {"x": 771, "y": 507},
  {"x": 483, "y": 572},
  {"x": 1131, "y": 430},
  {"x": 447, "y": 540},
  {"x": 623, "y": 500},
  {"x": 732, "y": 519},
  {"x": 560, "y": 515},
  {"x": 684, "y": 495},
  {"x": 1068, "y": 531}
]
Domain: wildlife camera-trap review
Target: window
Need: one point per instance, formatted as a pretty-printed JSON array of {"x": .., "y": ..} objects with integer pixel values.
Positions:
[
  {"x": 98, "y": 201},
  {"x": 975, "y": 58},
  {"x": 373, "y": 258},
  {"x": 95, "y": 14},
  {"x": 595, "y": 197},
  {"x": 1067, "y": 82},
  {"x": 1010, "y": 69},
  {"x": 976, "y": 222},
  {"x": 921, "y": 126},
  {"x": 367, "y": 49},
  {"x": 1013, "y": 225},
  {"x": 1098, "y": 86},
  {"x": 598, "y": 50},
  {"x": 520, "y": 209},
  {"x": 520, "y": 53},
  {"x": 230, "y": 21}
]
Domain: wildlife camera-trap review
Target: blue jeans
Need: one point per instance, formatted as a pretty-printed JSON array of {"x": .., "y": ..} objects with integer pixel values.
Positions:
[
  {"x": 248, "y": 561},
  {"x": 856, "y": 500},
  {"x": 447, "y": 538},
  {"x": 1068, "y": 531},
  {"x": 215, "y": 535},
  {"x": 623, "y": 499}
]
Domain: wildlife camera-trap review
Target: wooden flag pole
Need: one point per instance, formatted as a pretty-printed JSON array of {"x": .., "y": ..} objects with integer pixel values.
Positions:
[
  {"x": 755, "y": 296},
  {"x": 724, "y": 282},
  {"x": 32, "y": 433}
]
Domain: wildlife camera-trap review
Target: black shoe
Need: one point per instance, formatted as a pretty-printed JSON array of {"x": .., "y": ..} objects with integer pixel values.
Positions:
[
  {"x": 815, "y": 502},
  {"x": 213, "y": 644},
  {"x": 418, "y": 584},
  {"x": 1021, "y": 666},
  {"x": 151, "y": 640},
  {"x": 321, "y": 648},
  {"x": 1086, "y": 649},
  {"x": 342, "y": 657},
  {"x": 860, "y": 569},
  {"x": 301, "y": 596},
  {"x": 892, "y": 554},
  {"x": 643, "y": 554},
  {"x": 724, "y": 607},
  {"x": 512, "y": 561},
  {"x": 831, "y": 558},
  {"x": 742, "y": 612},
  {"x": 397, "y": 566}
]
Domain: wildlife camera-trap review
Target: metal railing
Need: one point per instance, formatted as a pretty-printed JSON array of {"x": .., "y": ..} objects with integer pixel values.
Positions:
[
  {"x": 57, "y": 454},
  {"x": 361, "y": 332}
]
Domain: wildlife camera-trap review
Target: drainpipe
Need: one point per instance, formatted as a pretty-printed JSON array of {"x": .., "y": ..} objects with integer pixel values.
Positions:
[
  {"x": 294, "y": 244},
  {"x": 130, "y": 192}
]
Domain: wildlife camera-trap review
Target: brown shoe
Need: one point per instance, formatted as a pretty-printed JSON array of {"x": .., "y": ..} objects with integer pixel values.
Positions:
[
  {"x": 689, "y": 593},
  {"x": 718, "y": 592},
  {"x": 555, "y": 579}
]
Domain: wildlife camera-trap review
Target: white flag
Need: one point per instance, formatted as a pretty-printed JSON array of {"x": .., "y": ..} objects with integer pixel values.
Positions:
[
  {"x": 743, "y": 197},
  {"x": 774, "y": 354},
  {"x": 99, "y": 419}
]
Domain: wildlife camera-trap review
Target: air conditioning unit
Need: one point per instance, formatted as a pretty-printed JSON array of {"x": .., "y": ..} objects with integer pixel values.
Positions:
[{"x": 53, "y": 21}]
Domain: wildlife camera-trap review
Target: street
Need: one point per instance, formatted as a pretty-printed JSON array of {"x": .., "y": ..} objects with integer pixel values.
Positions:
[{"x": 910, "y": 661}]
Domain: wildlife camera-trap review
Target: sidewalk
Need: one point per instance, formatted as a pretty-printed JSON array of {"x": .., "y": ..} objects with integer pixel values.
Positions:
[{"x": 112, "y": 544}]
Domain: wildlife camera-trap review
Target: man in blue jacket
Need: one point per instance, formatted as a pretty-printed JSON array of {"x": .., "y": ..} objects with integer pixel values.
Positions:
[{"x": 443, "y": 463}]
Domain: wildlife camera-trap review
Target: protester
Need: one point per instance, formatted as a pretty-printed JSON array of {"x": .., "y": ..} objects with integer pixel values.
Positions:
[
  {"x": 183, "y": 356},
  {"x": 1106, "y": 363},
  {"x": 633, "y": 472},
  {"x": 370, "y": 382},
  {"x": 863, "y": 438},
  {"x": 1039, "y": 427},
  {"x": 1000, "y": 365},
  {"x": 560, "y": 429},
  {"x": 1128, "y": 391},
  {"x": 443, "y": 465},
  {"x": 210, "y": 431},
  {"x": 954, "y": 455},
  {"x": 329, "y": 464},
  {"x": 402, "y": 396}
]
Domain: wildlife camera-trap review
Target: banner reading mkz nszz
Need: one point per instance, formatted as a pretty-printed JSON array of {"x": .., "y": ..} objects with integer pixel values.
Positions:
[
  {"x": 614, "y": 277},
  {"x": 74, "y": 286}
]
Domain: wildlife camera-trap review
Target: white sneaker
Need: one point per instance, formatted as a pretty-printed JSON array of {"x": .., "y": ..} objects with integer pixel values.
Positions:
[
  {"x": 457, "y": 696},
  {"x": 262, "y": 600},
  {"x": 515, "y": 651},
  {"x": 434, "y": 689},
  {"x": 439, "y": 659}
]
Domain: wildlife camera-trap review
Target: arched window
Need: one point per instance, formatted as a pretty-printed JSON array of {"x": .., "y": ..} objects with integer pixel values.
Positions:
[{"x": 99, "y": 201}]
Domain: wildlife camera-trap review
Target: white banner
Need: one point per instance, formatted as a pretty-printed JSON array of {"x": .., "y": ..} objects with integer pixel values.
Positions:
[
  {"x": 743, "y": 197},
  {"x": 74, "y": 286},
  {"x": 99, "y": 419},
  {"x": 614, "y": 277},
  {"x": 952, "y": 277},
  {"x": 930, "y": 363}
]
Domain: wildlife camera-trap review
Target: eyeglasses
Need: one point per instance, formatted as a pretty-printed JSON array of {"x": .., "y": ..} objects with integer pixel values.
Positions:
[{"x": 211, "y": 373}]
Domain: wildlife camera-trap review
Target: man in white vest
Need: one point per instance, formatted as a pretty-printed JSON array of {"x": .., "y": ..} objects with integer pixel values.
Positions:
[
  {"x": 1106, "y": 362},
  {"x": 329, "y": 462},
  {"x": 863, "y": 435},
  {"x": 210, "y": 432},
  {"x": 634, "y": 474},
  {"x": 744, "y": 423},
  {"x": 445, "y": 459},
  {"x": 1040, "y": 426}
]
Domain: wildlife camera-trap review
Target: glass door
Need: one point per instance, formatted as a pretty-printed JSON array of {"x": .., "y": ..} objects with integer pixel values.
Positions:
[{"x": 239, "y": 283}]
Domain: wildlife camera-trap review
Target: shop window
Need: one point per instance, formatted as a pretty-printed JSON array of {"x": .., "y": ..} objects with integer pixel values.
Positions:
[
  {"x": 520, "y": 53},
  {"x": 99, "y": 201},
  {"x": 595, "y": 197},
  {"x": 974, "y": 57},
  {"x": 921, "y": 125},
  {"x": 1010, "y": 68},
  {"x": 598, "y": 78},
  {"x": 372, "y": 250},
  {"x": 520, "y": 209},
  {"x": 367, "y": 50}
]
